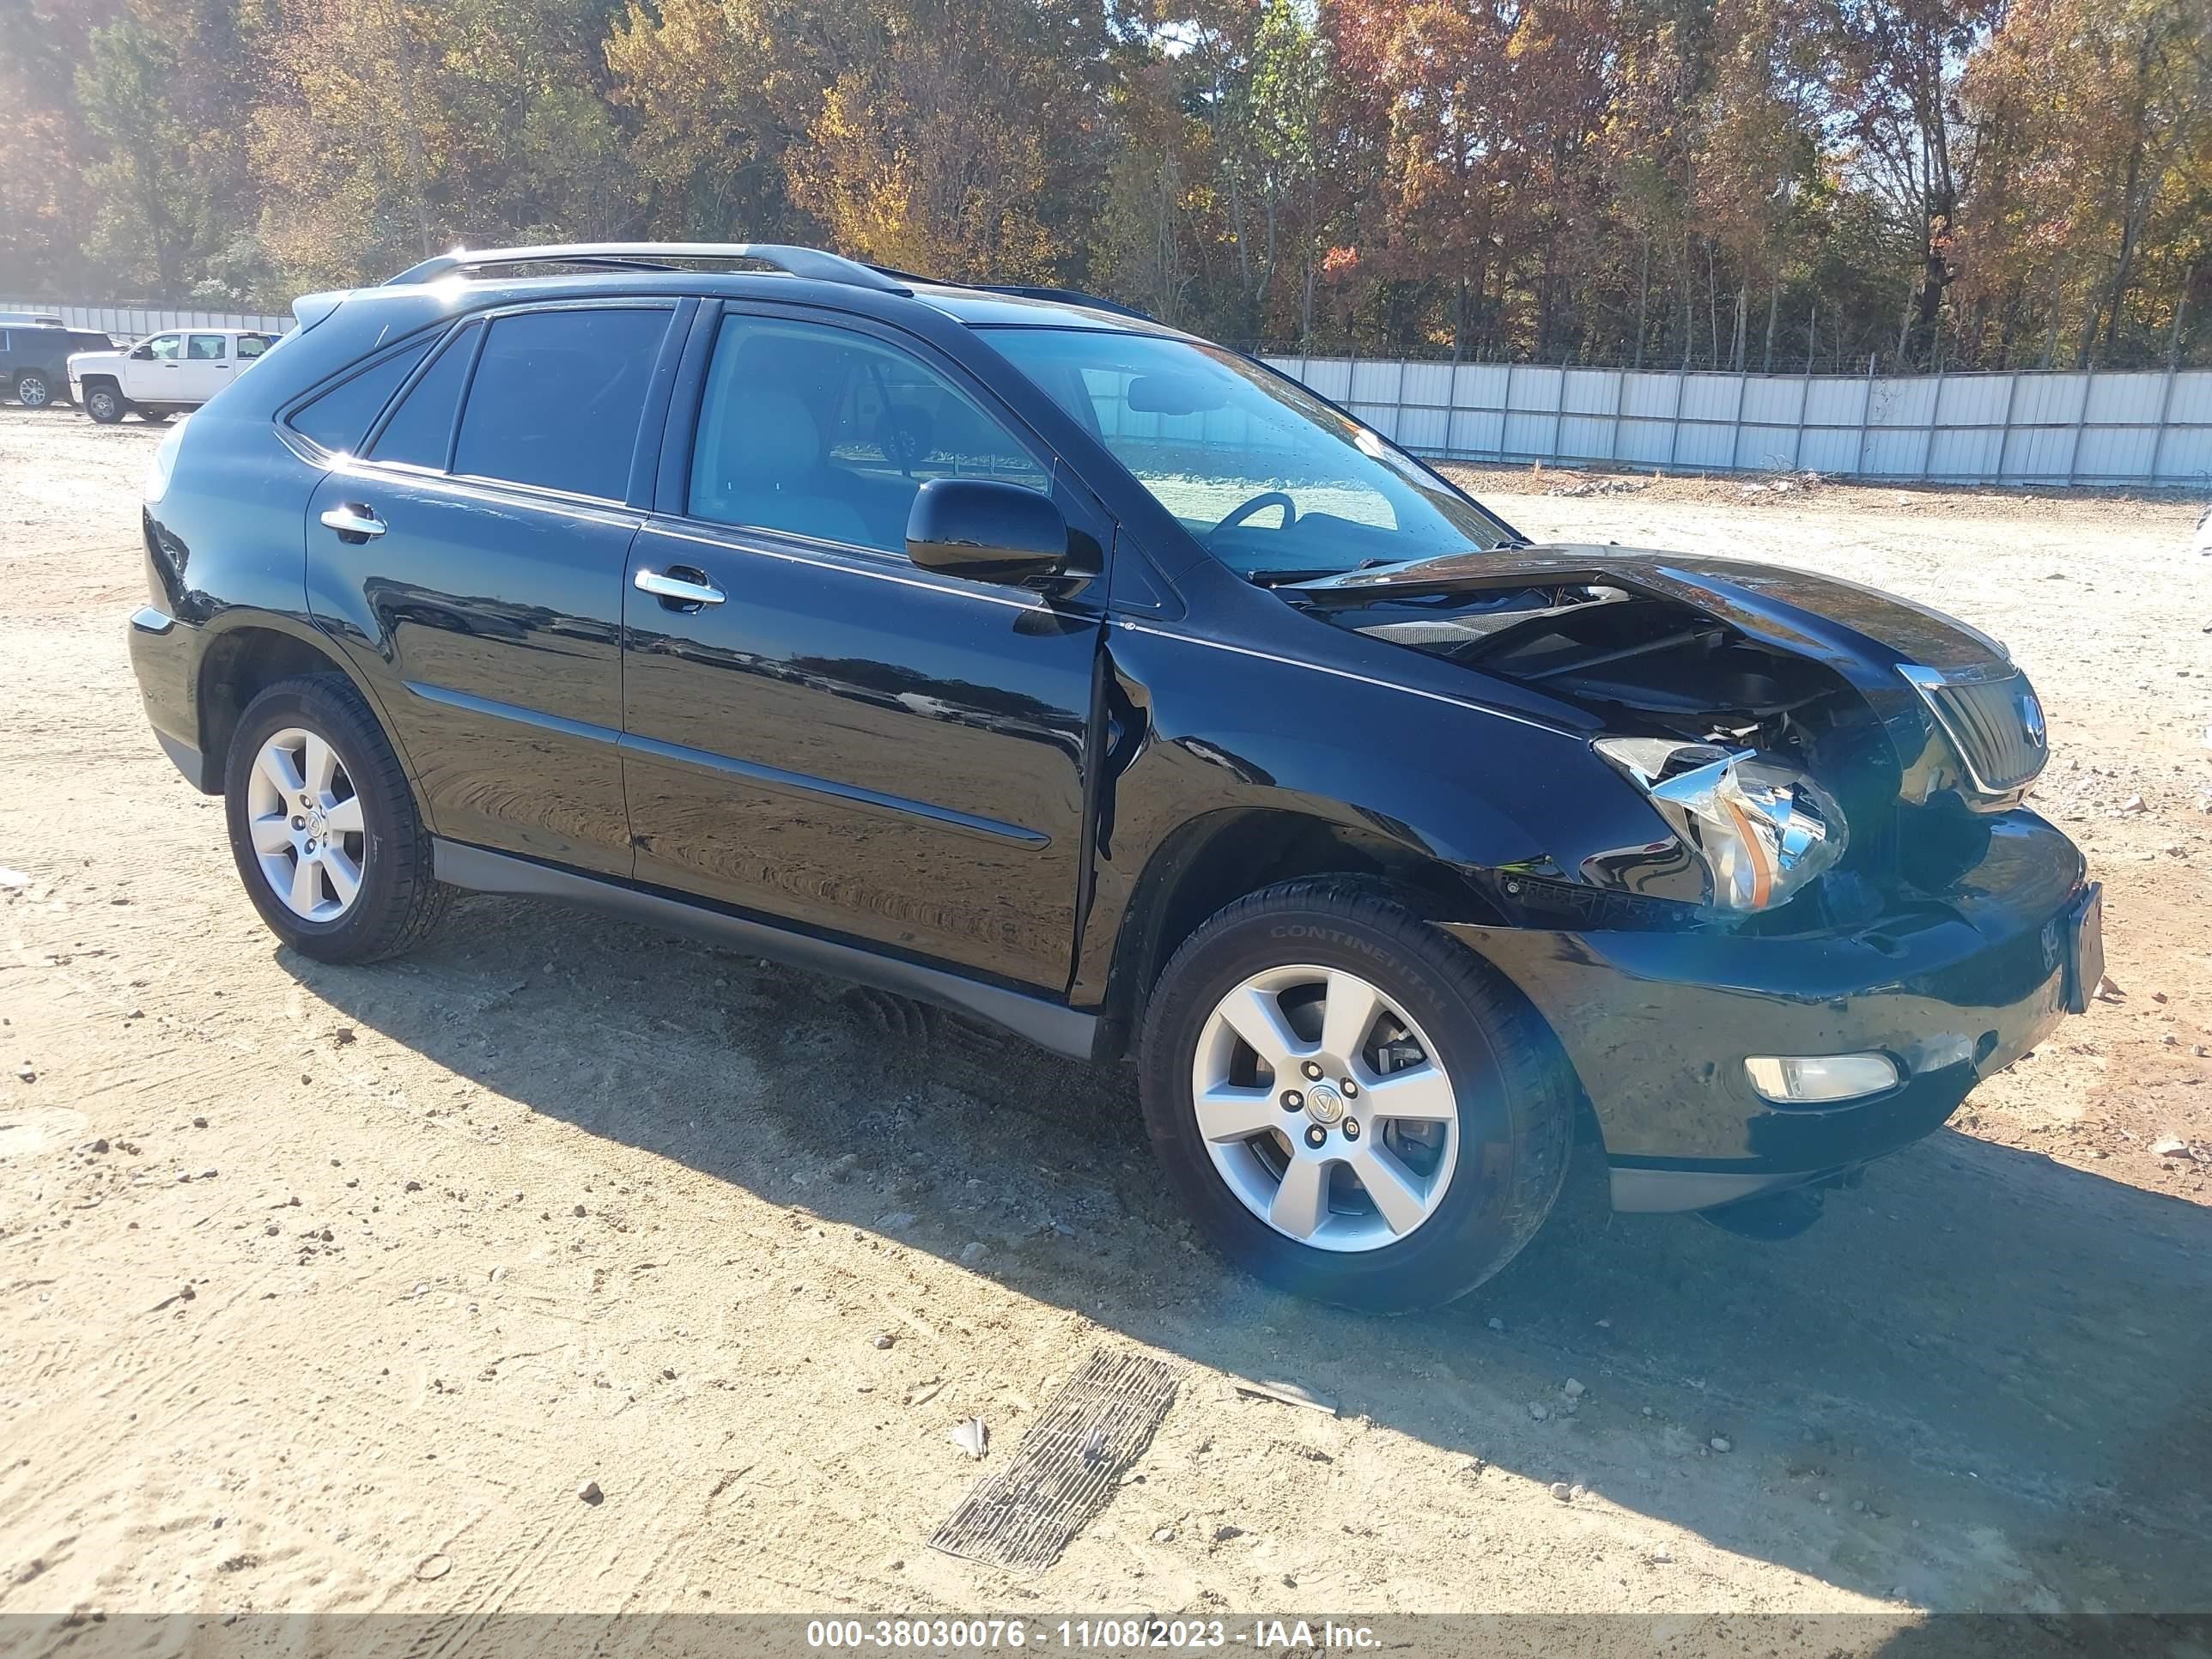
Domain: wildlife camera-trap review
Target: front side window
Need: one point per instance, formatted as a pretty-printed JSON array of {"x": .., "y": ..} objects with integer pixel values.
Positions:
[
  {"x": 205, "y": 349},
  {"x": 164, "y": 347},
  {"x": 556, "y": 399},
  {"x": 1270, "y": 480},
  {"x": 823, "y": 432}
]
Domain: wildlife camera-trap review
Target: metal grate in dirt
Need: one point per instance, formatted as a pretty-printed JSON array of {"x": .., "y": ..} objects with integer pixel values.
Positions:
[{"x": 1065, "y": 1468}]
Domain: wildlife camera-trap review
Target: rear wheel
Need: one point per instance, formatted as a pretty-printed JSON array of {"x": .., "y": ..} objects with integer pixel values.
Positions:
[
  {"x": 155, "y": 416},
  {"x": 104, "y": 403},
  {"x": 1352, "y": 1104},
  {"x": 33, "y": 390},
  {"x": 324, "y": 828}
]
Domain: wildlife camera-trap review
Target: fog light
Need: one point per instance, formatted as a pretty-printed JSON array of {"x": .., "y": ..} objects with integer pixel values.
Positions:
[{"x": 1812, "y": 1079}]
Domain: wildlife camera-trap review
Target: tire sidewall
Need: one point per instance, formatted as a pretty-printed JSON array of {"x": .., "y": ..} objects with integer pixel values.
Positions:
[
  {"x": 101, "y": 397},
  {"x": 328, "y": 719},
  {"x": 1472, "y": 1222}
]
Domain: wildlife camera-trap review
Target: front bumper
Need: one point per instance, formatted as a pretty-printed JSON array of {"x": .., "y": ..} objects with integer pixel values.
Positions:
[{"x": 1658, "y": 1024}]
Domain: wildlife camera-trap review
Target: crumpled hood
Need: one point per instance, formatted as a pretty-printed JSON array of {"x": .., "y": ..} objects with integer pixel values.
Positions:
[{"x": 1862, "y": 631}]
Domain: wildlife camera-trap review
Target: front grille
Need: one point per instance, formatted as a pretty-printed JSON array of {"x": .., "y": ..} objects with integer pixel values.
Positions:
[{"x": 1995, "y": 725}]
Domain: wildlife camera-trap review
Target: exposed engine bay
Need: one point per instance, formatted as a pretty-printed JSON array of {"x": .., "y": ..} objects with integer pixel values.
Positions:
[{"x": 1654, "y": 665}]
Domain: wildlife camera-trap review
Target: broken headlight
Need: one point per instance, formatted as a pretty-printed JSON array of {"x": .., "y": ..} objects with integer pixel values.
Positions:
[{"x": 1761, "y": 829}]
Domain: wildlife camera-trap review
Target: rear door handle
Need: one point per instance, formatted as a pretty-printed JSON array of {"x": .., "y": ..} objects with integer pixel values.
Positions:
[
  {"x": 679, "y": 588},
  {"x": 354, "y": 523}
]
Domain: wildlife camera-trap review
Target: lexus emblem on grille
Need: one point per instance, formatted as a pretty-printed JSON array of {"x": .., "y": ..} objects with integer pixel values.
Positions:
[{"x": 2031, "y": 718}]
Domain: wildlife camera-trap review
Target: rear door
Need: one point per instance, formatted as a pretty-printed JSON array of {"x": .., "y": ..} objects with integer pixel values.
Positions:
[
  {"x": 207, "y": 362},
  {"x": 836, "y": 738},
  {"x": 477, "y": 564}
]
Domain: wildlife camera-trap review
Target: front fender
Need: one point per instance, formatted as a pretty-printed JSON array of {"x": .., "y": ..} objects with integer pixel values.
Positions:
[{"x": 1195, "y": 728}]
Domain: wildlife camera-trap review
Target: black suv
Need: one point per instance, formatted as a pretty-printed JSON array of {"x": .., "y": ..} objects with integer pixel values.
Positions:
[
  {"x": 1008, "y": 649},
  {"x": 34, "y": 354}
]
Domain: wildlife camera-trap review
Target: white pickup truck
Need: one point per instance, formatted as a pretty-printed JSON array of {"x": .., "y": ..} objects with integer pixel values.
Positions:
[{"x": 164, "y": 374}]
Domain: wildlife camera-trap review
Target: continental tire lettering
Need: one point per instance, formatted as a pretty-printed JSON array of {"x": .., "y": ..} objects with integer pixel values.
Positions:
[{"x": 1330, "y": 936}]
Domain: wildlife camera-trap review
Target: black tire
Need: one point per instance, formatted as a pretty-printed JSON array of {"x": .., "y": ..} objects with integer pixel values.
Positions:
[
  {"x": 33, "y": 390},
  {"x": 104, "y": 403},
  {"x": 400, "y": 900},
  {"x": 1515, "y": 1091},
  {"x": 156, "y": 416}
]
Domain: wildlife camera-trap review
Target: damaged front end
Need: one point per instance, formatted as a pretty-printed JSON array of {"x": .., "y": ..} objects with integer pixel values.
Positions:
[
  {"x": 1813, "y": 748},
  {"x": 1838, "y": 922}
]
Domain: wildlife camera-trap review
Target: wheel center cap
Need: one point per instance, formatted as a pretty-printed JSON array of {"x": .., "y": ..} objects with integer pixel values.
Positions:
[
  {"x": 1323, "y": 1103},
  {"x": 317, "y": 822}
]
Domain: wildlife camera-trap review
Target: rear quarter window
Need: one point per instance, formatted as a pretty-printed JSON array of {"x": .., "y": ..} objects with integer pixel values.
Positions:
[
  {"x": 337, "y": 419},
  {"x": 556, "y": 398},
  {"x": 421, "y": 431}
]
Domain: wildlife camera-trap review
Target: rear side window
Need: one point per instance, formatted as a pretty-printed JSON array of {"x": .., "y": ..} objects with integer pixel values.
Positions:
[
  {"x": 252, "y": 345},
  {"x": 337, "y": 418},
  {"x": 557, "y": 397},
  {"x": 421, "y": 431}
]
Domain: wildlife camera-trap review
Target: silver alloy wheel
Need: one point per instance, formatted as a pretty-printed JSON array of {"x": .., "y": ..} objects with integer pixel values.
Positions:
[
  {"x": 1323, "y": 1109},
  {"x": 33, "y": 391},
  {"x": 305, "y": 816}
]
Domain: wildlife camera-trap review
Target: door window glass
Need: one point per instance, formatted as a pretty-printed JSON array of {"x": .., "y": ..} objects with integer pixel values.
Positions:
[
  {"x": 164, "y": 346},
  {"x": 337, "y": 418},
  {"x": 557, "y": 397},
  {"x": 828, "y": 434},
  {"x": 421, "y": 431},
  {"x": 205, "y": 349},
  {"x": 252, "y": 345}
]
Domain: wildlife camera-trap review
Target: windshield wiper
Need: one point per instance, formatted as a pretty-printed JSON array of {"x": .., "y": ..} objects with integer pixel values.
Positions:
[{"x": 1285, "y": 576}]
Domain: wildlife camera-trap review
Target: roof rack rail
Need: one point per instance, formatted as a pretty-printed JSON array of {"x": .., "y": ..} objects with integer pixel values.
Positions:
[{"x": 808, "y": 262}]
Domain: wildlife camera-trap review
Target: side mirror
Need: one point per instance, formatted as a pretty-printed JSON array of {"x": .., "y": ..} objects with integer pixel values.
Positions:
[
  {"x": 986, "y": 531},
  {"x": 143, "y": 353}
]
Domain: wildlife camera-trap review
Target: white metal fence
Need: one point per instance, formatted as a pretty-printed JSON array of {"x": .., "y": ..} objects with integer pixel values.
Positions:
[
  {"x": 2123, "y": 426},
  {"x": 130, "y": 322}
]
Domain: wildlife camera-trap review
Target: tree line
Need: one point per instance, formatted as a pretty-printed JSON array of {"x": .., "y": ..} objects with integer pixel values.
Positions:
[{"x": 1766, "y": 185}]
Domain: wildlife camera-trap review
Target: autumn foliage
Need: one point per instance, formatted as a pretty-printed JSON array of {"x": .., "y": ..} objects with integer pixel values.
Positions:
[{"x": 1759, "y": 184}]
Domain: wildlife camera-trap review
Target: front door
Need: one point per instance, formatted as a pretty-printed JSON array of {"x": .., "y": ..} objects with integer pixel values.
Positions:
[
  {"x": 819, "y": 731},
  {"x": 153, "y": 373},
  {"x": 477, "y": 566}
]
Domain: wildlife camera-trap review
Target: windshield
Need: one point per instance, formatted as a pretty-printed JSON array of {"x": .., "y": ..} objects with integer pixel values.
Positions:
[{"x": 1271, "y": 482}]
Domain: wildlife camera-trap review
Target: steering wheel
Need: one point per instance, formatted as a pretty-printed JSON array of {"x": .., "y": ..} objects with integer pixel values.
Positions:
[{"x": 1265, "y": 498}]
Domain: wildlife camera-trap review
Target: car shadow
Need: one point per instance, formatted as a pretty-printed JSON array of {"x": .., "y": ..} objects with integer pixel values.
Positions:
[{"x": 1978, "y": 1380}]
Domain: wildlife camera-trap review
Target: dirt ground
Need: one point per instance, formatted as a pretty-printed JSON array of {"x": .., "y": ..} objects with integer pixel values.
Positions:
[{"x": 327, "y": 1289}]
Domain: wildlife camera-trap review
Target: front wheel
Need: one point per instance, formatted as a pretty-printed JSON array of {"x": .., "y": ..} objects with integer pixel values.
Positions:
[
  {"x": 33, "y": 390},
  {"x": 323, "y": 827},
  {"x": 104, "y": 403},
  {"x": 1351, "y": 1104}
]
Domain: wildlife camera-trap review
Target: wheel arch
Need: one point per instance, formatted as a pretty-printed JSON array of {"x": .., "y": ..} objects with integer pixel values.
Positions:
[
  {"x": 243, "y": 657},
  {"x": 1221, "y": 856}
]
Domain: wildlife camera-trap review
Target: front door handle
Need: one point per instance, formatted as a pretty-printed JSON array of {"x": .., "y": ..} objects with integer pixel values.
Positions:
[
  {"x": 679, "y": 588},
  {"x": 353, "y": 522}
]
